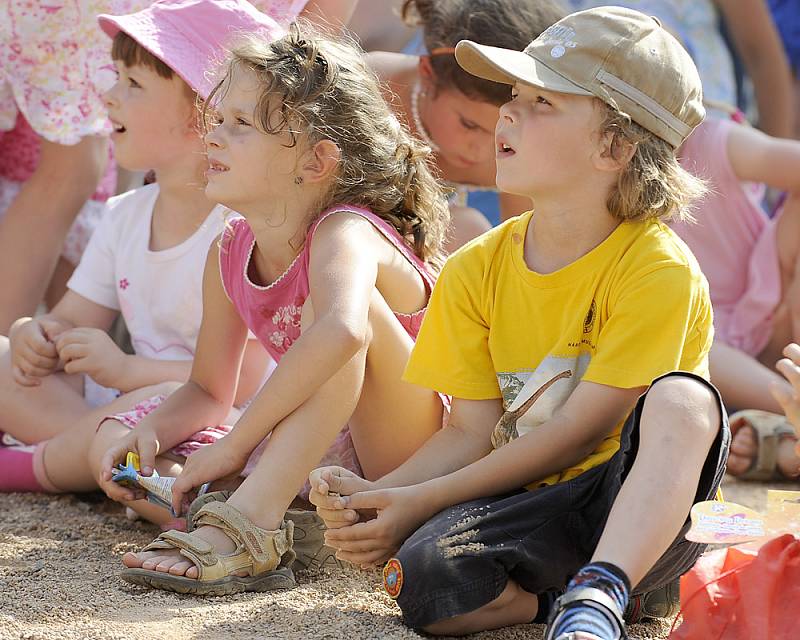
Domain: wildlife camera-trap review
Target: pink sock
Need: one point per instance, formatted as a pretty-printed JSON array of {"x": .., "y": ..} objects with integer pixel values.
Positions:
[{"x": 16, "y": 470}]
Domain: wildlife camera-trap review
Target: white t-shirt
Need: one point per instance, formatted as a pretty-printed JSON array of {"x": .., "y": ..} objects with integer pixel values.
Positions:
[{"x": 159, "y": 293}]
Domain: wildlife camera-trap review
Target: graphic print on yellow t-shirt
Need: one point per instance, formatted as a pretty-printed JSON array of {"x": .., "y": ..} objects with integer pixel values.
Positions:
[{"x": 531, "y": 397}]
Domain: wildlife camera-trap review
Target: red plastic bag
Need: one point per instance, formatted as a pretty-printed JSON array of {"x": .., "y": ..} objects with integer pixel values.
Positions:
[{"x": 740, "y": 594}]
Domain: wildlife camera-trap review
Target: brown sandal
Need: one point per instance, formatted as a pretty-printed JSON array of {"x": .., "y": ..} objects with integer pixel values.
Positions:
[
  {"x": 266, "y": 556},
  {"x": 770, "y": 429}
]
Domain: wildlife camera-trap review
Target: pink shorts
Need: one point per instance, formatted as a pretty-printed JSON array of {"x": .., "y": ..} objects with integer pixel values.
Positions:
[{"x": 341, "y": 453}]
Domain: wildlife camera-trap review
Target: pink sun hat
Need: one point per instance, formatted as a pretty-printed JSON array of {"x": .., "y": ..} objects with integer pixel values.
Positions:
[{"x": 191, "y": 36}]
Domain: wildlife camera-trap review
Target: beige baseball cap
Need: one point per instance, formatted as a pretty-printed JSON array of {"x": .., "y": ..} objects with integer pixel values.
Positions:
[{"x": 622, "y": 56}]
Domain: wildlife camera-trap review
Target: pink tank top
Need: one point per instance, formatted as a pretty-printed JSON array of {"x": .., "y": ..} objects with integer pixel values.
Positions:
[
  {"x": 272, "y": 312},
  {"x": 733, "y": 240}
]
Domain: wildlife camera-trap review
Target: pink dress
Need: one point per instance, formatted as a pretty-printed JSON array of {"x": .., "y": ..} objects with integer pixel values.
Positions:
[
  {"x": 733, "y": 240},
  {"x": 272, "y": 312}
]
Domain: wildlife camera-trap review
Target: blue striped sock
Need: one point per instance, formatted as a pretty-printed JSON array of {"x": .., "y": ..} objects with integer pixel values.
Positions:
[{"x": 612, "y": 581}]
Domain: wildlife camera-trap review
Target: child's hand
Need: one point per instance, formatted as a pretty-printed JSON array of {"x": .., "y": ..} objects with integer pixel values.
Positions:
[
  {"x": 789, "y": 397},
  {"x": 400, "y": 512},
  {"x": 93, "y": 352},
  {"x": 33, "y": 352},
  {"x": 215, "y": 461},
  {"x": 141, "y": 441},
  {"x": 327, "y": 485}
]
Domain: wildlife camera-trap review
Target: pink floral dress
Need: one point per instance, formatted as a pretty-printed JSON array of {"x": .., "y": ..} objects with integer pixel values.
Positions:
[{"x": 55, "y": 64}]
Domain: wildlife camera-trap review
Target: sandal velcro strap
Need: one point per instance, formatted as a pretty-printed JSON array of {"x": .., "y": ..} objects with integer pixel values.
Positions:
[
  {"x": 266, "y": 548},
  {"x": 585, "y": 597}
]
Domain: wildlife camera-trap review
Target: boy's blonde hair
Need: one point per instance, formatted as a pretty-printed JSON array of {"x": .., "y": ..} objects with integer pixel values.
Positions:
[
  {"x": 653, "y": 185},
  {"x": 318, "y": 89}
]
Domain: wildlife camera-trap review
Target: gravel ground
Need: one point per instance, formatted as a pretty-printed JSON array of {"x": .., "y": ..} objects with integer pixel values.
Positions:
[{"x": 59, "y": 559}]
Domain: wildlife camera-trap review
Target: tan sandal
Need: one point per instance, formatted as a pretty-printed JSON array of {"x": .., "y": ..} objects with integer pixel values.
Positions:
[
  {"x": 266, "y": 556},
  {"x": 770, "y": 429},
  {"x": 309, "y": 546}
]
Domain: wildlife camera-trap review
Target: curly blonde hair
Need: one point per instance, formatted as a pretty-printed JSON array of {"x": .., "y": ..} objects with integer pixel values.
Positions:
[
  {"x": 653, "y": 185},
  {"x": 315, "y": 89}
]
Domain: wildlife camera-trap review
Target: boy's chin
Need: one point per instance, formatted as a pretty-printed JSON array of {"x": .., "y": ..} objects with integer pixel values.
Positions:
[{"x": 513, "y": 187}]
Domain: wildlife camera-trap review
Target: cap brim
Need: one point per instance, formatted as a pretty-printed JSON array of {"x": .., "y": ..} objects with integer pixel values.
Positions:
[
  {"x": 509, "y": 67},
  {"x": 108, "y": 24}
]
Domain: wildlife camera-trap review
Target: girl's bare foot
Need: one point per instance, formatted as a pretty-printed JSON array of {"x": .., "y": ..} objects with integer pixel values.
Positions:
[
  {"x": 171, "y": 561},
  {"x": 744, "y": 450}
]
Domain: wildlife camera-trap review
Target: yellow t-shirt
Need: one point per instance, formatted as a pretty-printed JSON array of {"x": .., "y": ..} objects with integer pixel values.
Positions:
[{"x": 633, "y": 308}]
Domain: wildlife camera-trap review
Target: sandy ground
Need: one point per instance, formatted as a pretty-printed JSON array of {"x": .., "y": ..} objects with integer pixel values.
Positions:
[{"x": 59, "y": 558}]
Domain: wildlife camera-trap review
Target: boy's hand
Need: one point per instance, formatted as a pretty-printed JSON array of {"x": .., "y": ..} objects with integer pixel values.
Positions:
[
  {"x": 93, "y": 352},
  {"x": 215, "y": 461},
  {"x": 141, "y": 441},
  {"x": 327, "y": 485},
  {"x": 789, "y": 397},
  {"x": 33, "y": 352},
  {"x": 400, "y": 512}
]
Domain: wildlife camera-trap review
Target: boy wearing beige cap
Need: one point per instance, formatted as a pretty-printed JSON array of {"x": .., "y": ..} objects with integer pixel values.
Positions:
[{"x": 574, "y": 340}]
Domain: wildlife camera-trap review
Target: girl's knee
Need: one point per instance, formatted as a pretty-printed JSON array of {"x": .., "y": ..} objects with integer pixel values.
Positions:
[{"x": 690, "y": 408}]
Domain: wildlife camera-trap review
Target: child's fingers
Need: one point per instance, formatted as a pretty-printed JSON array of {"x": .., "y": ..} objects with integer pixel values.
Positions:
[
  {"x": 73, "y": 351},
  {"x": 364, "y": 559},
  {"x": 789, "y": 403},
  {"x": 337, "y": 518},
  {"x": 790, "y": 371},
  {"x": 317, "y": 481},
  {"x": 375, "y": 499},
  {"x": 34, "y": 359},
  {"x": 21, "y": 379},
  {"x": 76, "y": 365},
  {"x": 325, "y": 501},
  {"x": 51, "y": 328},
  {"x": 792, "y": 351},
  {"x": 355, "y": 546},
  {"x": 147, "y": 448},
  {"x": 63, "y": 340},
  {"x": 36, "y": 372},
  {"x": 114, "y": 454},
  {"x": 116, "y": 491},
  {"x": 38, "y": 343},
  {"x": 322, "y": 487},
  {"x": 31, "y": 368},
  {"x": 359, "y": 532}
]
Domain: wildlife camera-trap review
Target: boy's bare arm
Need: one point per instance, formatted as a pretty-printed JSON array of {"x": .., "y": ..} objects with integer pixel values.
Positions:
[
  {"x": 465, "y": 439},
  {"x": 574, "y": 432}
]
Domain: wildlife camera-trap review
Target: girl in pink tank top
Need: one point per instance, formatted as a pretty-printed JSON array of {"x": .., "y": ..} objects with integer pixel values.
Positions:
[
  {"x": 329, "y": 266},
  {"x": 752, "y": 262}
]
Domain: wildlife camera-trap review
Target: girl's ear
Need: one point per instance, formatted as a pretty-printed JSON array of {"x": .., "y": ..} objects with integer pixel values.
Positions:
[
  {"x": 321, "y": 161},
  {"x": 426, "y": 73}
]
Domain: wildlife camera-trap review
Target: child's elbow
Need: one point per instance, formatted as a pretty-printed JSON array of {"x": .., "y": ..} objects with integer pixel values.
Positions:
[{"x": 350, "y": 337}]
